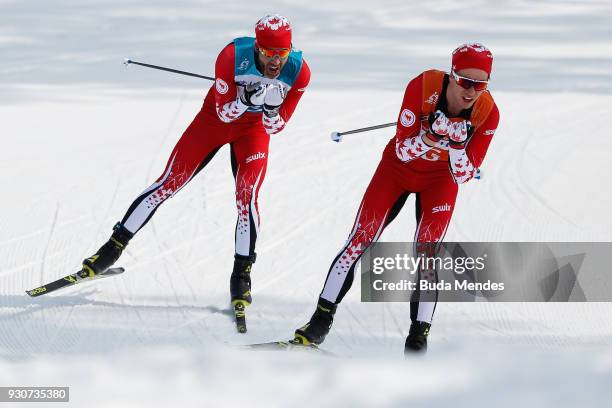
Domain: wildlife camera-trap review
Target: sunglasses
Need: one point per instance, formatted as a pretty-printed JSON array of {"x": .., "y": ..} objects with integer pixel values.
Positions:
[
  {"x": 467, "y": 83},
  {"x": 271, "y": 53}
]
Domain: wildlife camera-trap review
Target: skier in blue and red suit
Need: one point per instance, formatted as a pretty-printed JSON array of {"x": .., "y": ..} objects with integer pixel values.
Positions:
[{"x": 259, "y": 82}]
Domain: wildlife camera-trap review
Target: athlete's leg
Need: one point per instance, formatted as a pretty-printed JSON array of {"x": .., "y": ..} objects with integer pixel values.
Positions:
[
  {"x": 249, "y": 156},
  {"x": 434, "y": 208},
  {"x": 382, "y": 201},
  {"x": 196, "y": 147},
  {"x": 193, "y": 151}
]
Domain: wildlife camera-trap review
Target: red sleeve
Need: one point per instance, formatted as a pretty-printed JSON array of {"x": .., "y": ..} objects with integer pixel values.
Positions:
[
  {"x": 479, "y": 142},
  {"x": 408, "y": 121},
  {"x": 296, "y": 92},
  {"x": 228, "y": 107},
  {"x": 225, "y": 87},
  {"x": 409, "y": 143}
]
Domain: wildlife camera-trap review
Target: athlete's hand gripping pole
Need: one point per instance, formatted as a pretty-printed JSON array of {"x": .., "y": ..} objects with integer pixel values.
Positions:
[
  {"x": 128, "y": 61},
  {"x": 337, "y": 136}
]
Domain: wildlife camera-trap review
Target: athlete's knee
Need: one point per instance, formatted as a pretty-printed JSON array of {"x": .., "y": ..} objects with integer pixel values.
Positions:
[
  {"x": 432, "y": 231},
  {"x": 247, "y": 189}
]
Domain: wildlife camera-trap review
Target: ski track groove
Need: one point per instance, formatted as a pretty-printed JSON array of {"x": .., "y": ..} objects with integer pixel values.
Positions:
[
  {"x": 399, "y": 328},
  {"x": 101, "y": 222},
  {"x": 134, "y": 310},
  {"x": 44, "y": 257},
  {"x": 58, "y": 330},
  {"x": 162, "y": 246},
  {"x": 165, "y": 136}
]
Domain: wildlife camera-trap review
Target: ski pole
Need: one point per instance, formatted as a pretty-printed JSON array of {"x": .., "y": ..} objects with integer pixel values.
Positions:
[
  {"x": 128, "y": 61},
  {"x": 337, "y": 136}
]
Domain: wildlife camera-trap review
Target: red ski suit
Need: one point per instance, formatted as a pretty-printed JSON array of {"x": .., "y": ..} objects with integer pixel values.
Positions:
[
  {"x": 410, "y": 166},
  {"x": 219, "y": 122}
]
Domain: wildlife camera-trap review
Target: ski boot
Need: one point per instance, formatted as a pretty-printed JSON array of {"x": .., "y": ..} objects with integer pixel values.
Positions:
[
  {"x": 240, "y": 288},
  {"x": 316, "y": 329},
  {"x": 416, "y": 342},
  {"x": 108, "y": 254}
]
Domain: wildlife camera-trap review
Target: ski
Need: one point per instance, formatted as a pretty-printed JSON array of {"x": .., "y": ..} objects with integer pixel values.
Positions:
[
  {"x": 73, "y": 279},
  {"x": 240, "y": 315},
  {"x": 290, "y": 345}
]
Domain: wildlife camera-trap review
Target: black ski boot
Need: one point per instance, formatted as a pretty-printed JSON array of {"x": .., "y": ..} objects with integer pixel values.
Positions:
[
  {"x": 240, "y": 289},
  {"x": 240, "y": 281},
  {"x": 416, "y": 342},
  {"x": 108, "y": 254},
  {"x": 316, "y": 329}
]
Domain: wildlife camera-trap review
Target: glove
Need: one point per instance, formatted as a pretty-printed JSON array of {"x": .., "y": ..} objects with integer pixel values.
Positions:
[
  {"x": 273, "y": 100},
  {"x": 254, "y": 94},
  {"x": 458, "y": 134},
  {"x": 439, "y": 125}
]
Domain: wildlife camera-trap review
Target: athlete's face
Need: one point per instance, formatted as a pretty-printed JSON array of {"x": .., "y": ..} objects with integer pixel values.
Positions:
[
  {"x": 459, "y": 96},
  {"x": 272, "y": 65}
]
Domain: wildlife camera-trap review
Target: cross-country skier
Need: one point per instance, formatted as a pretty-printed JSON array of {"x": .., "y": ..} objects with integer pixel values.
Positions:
[
  {"x": 259, "y": 82},
  {"x": 444, "y": 128}
]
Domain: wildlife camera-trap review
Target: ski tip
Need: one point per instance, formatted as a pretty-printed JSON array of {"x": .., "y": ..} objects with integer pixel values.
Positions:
[{"x": 36, "y": 292}]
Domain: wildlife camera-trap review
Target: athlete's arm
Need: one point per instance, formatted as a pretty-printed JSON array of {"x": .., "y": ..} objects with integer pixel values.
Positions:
[
  {"x": 409, "y": 142},
  {"x": 275, "y": 122},
  {"x": 464, "y": 160},
  {"x": 296, "y": 92},
  {"x": 228, "y": 106}
]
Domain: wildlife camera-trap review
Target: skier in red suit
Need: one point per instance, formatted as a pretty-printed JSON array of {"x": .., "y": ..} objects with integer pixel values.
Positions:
[
  {"x": 444, "y": 128},
  {"x": 259, "y": 82}
]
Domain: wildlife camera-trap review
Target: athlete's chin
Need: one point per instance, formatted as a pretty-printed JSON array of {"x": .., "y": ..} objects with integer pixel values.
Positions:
[
  {"x": 467, "y": 102},
  {"x": 272, "y": 72}
]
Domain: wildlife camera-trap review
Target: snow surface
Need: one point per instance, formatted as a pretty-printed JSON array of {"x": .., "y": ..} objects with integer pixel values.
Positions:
[{"x": 83, "y": 135}]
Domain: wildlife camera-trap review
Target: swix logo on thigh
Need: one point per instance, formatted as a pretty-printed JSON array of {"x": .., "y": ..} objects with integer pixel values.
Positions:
[
  {"x": 256, "y": 156},
  {"x": 441, "y": 208}
]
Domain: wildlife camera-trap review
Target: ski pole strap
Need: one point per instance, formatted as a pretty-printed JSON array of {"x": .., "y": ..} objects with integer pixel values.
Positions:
[{"x": 128, "y": 61}]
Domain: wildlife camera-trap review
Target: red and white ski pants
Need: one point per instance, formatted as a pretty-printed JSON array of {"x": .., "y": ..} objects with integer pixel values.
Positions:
[
  {"x": 196, "y": 147},
  {"x": 387, "y": 192}
]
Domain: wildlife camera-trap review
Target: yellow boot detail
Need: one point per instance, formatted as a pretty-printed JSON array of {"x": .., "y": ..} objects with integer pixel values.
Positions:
[
  {"x": 242, "y": 302},
  {"x": 302, "y": 340}
]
